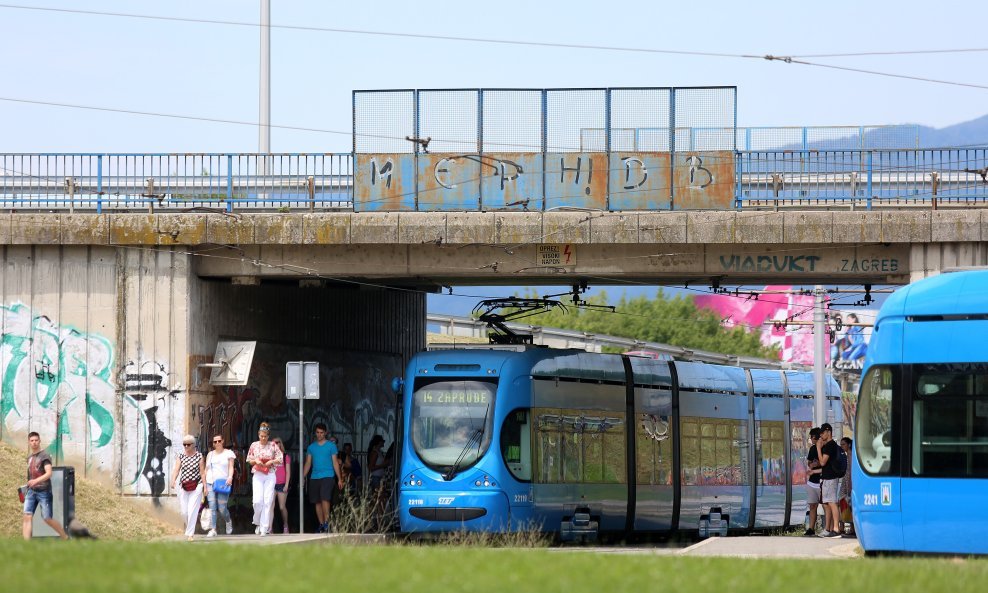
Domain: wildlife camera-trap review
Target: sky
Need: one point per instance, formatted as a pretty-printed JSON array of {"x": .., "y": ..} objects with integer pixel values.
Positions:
[{"x": 210, "y": 70}]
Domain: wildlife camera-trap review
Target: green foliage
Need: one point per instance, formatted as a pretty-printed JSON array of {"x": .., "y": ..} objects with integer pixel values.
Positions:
[{"x": 675, "y": 321}]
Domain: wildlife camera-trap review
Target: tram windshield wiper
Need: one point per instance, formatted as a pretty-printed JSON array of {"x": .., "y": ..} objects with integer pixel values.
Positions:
[{"x": 478, "y": 436}]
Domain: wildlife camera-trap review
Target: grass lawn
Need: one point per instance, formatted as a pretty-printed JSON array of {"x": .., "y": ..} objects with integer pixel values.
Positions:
[{"x": 177, "y": 567}]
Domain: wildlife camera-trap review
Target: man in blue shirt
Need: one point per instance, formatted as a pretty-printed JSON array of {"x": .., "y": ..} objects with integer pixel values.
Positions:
[{"x": 321, "y": 456}]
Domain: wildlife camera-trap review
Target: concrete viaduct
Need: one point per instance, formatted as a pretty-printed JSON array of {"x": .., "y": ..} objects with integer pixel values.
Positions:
[{"x": 107, "y": 317}]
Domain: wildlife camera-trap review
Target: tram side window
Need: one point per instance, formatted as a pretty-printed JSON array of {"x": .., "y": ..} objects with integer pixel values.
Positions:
[
  {"x": 575, "y": 446},
  {"x": 950, "y": 420},
  {"x": 516, "y": 445},
  {"x": 873, "y": 428}
]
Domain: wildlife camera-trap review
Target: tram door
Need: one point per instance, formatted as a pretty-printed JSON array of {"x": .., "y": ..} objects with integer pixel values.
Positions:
[{"x": 770, "y": 460}]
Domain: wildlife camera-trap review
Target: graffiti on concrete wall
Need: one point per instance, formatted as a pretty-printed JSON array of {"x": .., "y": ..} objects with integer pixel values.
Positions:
[
  {"x": 355, "y": 404},
  {"x": 151, "y": 386},
  {"x": 63, "y": 383}
]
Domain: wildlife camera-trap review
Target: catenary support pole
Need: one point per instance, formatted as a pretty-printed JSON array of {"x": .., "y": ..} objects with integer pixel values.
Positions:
[{"x": 819, "y": 366}]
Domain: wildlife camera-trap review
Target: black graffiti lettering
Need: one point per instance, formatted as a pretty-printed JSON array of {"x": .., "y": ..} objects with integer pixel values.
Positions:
[
  {"x": 843, "y": 265},
  {"x": 504, "y": 176},
  {"x": 696, "y": 165},
  {"x": 627, "y": 172},
  {"x": 578, "y": 169},
  {"x": 385, "y": 173},
  {"x": 894, "y": 265},
  {"x": 772, "y": 263}
]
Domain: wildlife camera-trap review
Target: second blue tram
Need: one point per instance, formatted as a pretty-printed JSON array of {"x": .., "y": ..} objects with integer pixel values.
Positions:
[
  {"x": 600, "y": 444},
  {"x": 920, "y": 472}
]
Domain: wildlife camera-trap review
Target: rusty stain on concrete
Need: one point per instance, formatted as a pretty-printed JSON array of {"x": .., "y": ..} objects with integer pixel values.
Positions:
[
  {"x": 277, "y": 229},
  {"x": 326, "y": 228},
  {"x": 229, "y": 230},
  {"x": 182, "y": 229},
  {"x": 133, "y": 229}
]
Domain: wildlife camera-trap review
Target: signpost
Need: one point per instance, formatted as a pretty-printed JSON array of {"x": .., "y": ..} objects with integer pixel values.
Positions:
[{"x": 301, "y": 383}]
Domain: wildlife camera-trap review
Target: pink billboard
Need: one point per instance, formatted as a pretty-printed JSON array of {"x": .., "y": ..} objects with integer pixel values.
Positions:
[{"x": 795, "y": 342}]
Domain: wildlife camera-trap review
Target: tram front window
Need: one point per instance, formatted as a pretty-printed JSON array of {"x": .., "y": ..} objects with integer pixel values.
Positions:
[
  {"x": 873, "y": 426},
  {"x": 451, "y": 423}
]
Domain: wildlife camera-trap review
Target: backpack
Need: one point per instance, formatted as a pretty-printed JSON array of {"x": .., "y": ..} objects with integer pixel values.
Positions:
[{"x": 840, "y": 464}]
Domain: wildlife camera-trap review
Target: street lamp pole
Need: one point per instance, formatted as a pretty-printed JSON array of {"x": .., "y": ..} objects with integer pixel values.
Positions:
[{"x": 264, "y": 102}]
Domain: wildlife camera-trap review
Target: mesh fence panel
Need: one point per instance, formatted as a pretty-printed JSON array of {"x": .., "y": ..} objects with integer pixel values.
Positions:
[
  {"x": 640, "y": 119},
  {"x": 382, "y": 120},
  {"x": 569, "y": 113},
  {"x": 449, "y": 118},
  {"x": 709, "y": 114},
  {"x": 512, "y": 121}
]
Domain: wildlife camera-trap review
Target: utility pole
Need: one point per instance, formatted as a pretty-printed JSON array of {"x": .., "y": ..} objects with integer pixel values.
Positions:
[
  {"x": 264, "y": 103},
  {"x": 819, "y": 345}
]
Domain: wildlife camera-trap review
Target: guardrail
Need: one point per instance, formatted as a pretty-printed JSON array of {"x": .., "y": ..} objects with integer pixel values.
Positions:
[{"x": 177, "y": 182}]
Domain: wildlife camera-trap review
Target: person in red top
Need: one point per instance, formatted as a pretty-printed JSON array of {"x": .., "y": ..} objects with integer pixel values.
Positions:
[{"x": 38, "y": 488}]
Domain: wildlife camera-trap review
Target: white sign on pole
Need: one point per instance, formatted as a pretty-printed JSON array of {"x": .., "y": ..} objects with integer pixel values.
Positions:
[
  {"x": 302, "y": 380},
  {"x": 301, "y": 383}
]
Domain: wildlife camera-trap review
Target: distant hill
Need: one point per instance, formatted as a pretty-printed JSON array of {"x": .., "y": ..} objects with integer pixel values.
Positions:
[
  {"x": 969, "y": 133},
  {"x": 962, "y": 134}
]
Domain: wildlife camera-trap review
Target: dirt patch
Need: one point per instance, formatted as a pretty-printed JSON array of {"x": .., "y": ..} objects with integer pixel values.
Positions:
[{"x": 107, "y": 514}]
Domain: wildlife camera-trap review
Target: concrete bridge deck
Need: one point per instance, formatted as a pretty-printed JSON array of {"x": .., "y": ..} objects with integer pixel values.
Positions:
[{"x": 887, "y": 247}]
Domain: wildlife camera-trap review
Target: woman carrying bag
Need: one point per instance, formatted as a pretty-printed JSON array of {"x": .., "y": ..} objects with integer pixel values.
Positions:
[
  {"x": 263, "y": 456},
  {"x": 187, "y": 477},
  {"x": 219, "y": 478}
]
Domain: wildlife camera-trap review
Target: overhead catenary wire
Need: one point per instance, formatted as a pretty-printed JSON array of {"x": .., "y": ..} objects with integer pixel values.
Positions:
[{"x": 788, "y": 59}]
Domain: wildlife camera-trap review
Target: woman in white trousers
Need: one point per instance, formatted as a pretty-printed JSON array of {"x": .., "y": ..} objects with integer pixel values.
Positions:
[
  {"x": 190, "y": 467},
  {"x": 263, "y": 456}
]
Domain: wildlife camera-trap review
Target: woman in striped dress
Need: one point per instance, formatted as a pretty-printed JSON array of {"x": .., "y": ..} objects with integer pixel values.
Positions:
[{"x": 190, "y": 467}]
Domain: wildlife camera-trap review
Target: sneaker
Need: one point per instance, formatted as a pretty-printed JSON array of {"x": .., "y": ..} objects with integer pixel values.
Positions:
[
  {"x": 229, "y": 528},
  {"x": 257, "y": 530},
  {"x": 826, "y": 533},
  {"x": 264, "y": 532},
  {"x": 835, "y": 535},
  {"x": 809, "y": 533},
  {"x": 191, "y": 538},
  {"x": 211, "y": 533},
  {"x": 285, "y": 530}
]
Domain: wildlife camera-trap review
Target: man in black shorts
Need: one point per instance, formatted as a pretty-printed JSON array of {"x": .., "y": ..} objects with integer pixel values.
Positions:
[{"x": 322, "y": 456}]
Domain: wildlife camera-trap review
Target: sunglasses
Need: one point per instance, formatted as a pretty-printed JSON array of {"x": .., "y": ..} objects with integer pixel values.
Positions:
[
  {"x": 218, "y": 441},
  {"x": 188, "y": 444}
]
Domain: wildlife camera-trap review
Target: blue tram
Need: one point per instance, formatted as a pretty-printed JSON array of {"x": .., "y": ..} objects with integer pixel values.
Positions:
[
  {"x": 586, "y": 444},
  {"x": 920, "y": 475}
]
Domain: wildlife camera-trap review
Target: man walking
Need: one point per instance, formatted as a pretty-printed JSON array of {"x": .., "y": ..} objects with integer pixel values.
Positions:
[
  {"x": 813, "y": 498},
  {"x": 322, "y": 457},
  {"x": 38, "y": 488},
  {"x": 828, "y": 453}
]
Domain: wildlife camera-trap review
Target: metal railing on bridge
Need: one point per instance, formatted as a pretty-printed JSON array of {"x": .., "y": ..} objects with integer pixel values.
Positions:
[{"x": 297, "y": 182}]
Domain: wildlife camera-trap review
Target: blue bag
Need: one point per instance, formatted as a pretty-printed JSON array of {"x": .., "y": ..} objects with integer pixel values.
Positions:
[{"x": 221, "y": 486}]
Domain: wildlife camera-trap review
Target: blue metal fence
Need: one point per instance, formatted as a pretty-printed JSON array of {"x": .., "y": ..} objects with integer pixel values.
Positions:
[{"x": 176, "y": 182}]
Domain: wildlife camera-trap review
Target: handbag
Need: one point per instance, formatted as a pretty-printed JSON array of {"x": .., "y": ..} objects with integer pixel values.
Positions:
[
  {"x": 21, "y": 493},
  {"x": 190, "y": 485},
  {"x": 222, "y": 486},
  {"x": 206, "y": 519}
]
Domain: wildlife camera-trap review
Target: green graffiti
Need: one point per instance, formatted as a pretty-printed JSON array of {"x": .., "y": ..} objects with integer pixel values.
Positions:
[{"x": 103, "y": 419}]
